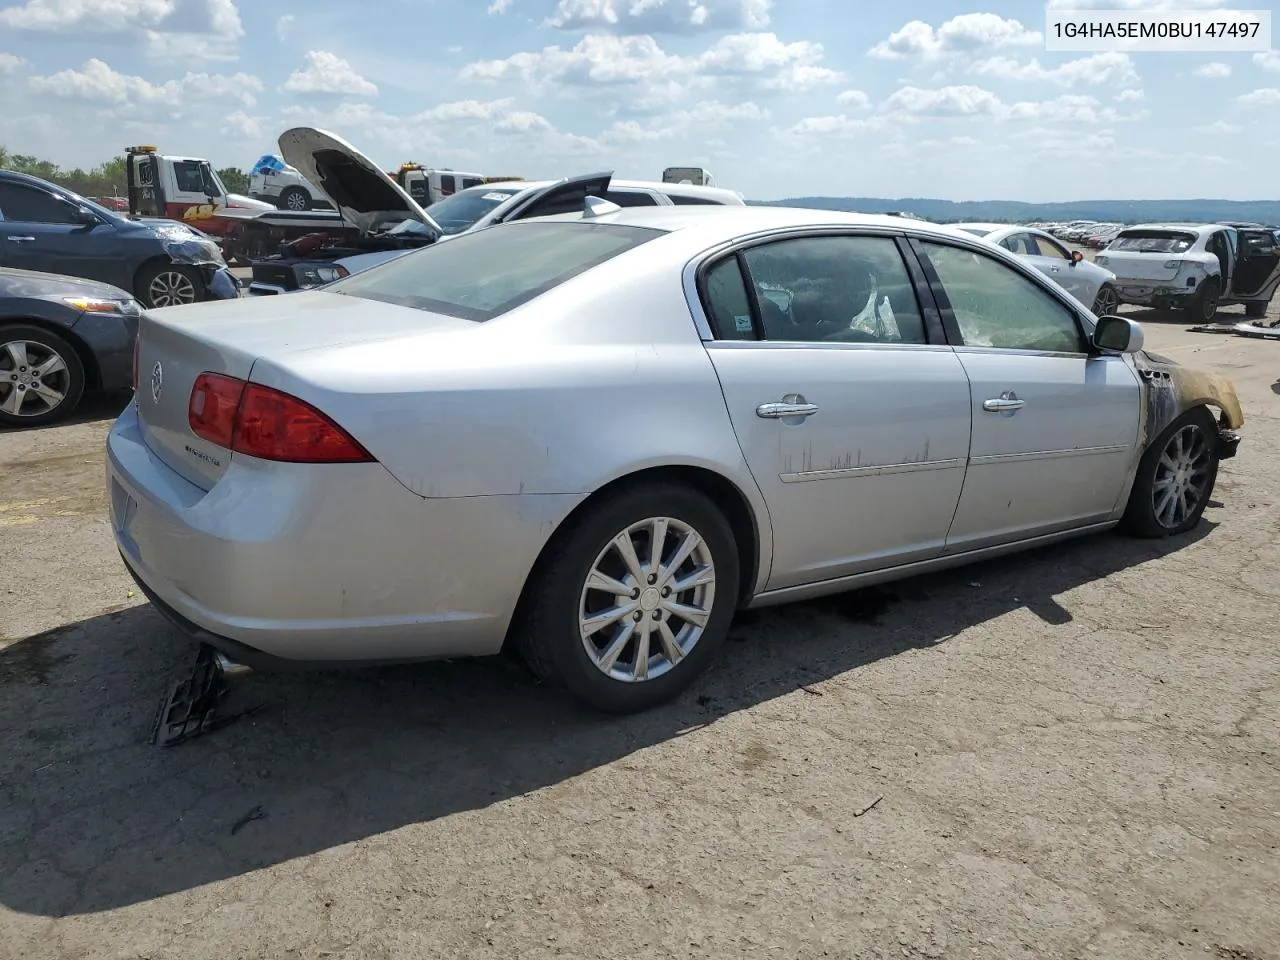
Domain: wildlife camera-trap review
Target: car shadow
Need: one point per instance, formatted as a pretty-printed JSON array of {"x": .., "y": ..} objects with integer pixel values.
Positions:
[
  {"x": 93, "y": 406},
  {"x": 95, "y": 818}
]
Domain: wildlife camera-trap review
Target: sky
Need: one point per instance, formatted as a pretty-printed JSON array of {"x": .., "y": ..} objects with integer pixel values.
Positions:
[{"x": 777, "y": 98}]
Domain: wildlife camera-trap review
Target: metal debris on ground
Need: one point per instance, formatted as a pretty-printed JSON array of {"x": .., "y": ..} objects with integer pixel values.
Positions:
[
  {"x": 869, "y": 807},
  {"x": 1213, "y": 328},
  {"x": 191, "y": 706},
  {"x": 1269, "y": 332}
]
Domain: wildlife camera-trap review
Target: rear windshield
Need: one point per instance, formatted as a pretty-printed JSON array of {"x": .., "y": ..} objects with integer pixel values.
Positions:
[
  {"x": 466, "y": 207},
  {"x": 481, "y": 275},
  {"x": 1153, "y": 241}
]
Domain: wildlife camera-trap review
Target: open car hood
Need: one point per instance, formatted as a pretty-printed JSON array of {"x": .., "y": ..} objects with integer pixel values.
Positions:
[{"x": 363, "y": 194}]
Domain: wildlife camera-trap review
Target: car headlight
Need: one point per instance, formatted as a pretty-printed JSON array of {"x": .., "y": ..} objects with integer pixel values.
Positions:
[
  {"x": 192, "y": 249},
  {"x": 313, "y": 276},
  {"x": 124, "y": 308}
]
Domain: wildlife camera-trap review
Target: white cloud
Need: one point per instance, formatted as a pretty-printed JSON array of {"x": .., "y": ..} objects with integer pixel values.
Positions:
[
  {"x": 328, "y": 73},
  {"x": 499, "y": 7},
  {"x": 285, "y": 25},
  {"x": 10, "y": 63},
  {"x": 835, "y": 125},
  {"x": 96, "y": 81},
  {"x": 1213, "y": 70},
  {"x": 659, "y": 16},
  {"x": 241, "y": 126},
  {"x": 854, "y": 98},
  {"x": 967, "y": 33},
  {"x": 1220, "y": 128},
  {"x": 701, "y": 118},
  {"x": 1269, "y": 60},
  {"x": 638, "y": 61},
  {"x": 178, "y": 30},
  {"x": 1137, "y": 4},
  {"x": 957, "y": 101},
  {"x": 1265, "y": 97},
  {"x": 1096, "y": 70},
  {"x": 1130, "y": 96}
]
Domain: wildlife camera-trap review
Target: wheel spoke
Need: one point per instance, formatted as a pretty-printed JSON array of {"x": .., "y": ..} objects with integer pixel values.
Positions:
[
  {"x": 1164, "y": 506},
  {"x": 657, "y": 540},
  {"x": 640, "y": 668},
  {"x": 1167, "y": 462},
  {"x": 694, "y": 615},
  {"x": 700, "y": 576},
  {"x": 609, "y": 657},
  {"x": 597, "y": 622},
  {"x": 669, "y": 644},
  {"x": 12, "y": 402},
  {"x": 54, "y": 364},
  {"x": 627, "y": 550},
  {"x": 607, "y": 584},
  {"x": 48, "y": 394},
  {"x": 689, "y": 544},
  {"x": 17, "y": 351}
]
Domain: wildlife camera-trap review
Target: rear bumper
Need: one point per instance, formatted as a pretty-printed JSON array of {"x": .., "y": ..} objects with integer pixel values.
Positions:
[
  {"x": 1165, "y": 296},
  {"x": 335, "y": 564}
]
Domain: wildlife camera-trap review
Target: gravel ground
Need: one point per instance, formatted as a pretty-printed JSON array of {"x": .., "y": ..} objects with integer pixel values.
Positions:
[{"x": 1072, "y": 753}]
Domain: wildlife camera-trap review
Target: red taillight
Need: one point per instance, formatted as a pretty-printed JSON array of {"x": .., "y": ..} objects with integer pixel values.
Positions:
[
  {"x": 211, "y": 412},
  {"x": 266, "y": 423}
]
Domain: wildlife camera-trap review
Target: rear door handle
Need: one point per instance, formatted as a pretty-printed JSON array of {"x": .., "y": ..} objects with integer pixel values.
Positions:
[
  {"x": 792, "y": 405},
  {"x": 21, "y": 239}
]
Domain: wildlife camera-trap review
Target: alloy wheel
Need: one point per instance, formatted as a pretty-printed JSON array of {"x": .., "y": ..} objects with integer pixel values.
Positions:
[
  {"x": 647, "y": 599},
  {"x": 296, "y": 201},
  {"x": 1106, "y": 303},
  {"x": 171, "y": 288},
  {"x": 34, "y": 379},
  {"x": 1182, "y": 476}
]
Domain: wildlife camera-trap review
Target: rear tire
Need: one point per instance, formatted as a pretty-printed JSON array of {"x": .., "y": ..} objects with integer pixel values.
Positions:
[
  {"x": 1255, "y": 310},
  {"x": 41, "y": 376},
  {"x": 641, "y": 652},
  {"x": 1203, "y": 307},
  {"x": 295, "y": 198},
  {"x": 1175, "y": 478}
]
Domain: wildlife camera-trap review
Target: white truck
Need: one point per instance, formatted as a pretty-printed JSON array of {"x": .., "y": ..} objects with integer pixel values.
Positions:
[
  {"x": 275, "y": 182},
  {"x": 692, "y": 175}
]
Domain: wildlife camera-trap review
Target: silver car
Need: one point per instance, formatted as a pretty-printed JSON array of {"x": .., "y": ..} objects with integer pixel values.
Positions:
[
  {"x": 595, "y": 436},
  {"x": 1087, "y": 282}
]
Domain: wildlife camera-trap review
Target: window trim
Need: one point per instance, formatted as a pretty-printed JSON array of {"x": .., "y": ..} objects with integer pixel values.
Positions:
[
  {"x": 952, "y": 326},
  {"x": 696, "y": 271}
]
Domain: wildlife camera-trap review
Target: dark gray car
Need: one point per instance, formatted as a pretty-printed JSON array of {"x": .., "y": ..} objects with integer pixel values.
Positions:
[
  {"x": 60, "y": 336},
  {"x": 162, "y": 262}
]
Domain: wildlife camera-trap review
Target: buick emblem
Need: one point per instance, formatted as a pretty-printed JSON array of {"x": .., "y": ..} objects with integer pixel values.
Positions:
[{"x": 157, "y": 382}]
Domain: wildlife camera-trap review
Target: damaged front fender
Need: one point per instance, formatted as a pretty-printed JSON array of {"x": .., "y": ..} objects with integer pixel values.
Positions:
[{"x": 1170, "y": 390}]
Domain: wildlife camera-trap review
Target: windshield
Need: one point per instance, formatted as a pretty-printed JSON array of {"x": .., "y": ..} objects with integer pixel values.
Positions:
[
  {"x": 460, "y": 211},
  {"x": 1153, "y": 241},
  {"x": 486, "y": 273}
]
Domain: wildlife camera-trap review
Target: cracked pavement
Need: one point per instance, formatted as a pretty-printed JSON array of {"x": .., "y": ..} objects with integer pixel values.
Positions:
[{"x": 1077, "y": 751}]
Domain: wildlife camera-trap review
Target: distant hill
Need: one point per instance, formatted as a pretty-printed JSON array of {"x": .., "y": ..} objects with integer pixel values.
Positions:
[{"x": 1014, "y": 211}]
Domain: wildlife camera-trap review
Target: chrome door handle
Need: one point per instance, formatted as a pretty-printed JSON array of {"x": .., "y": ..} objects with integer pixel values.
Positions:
[
  {"x": 21, "y": 239},
  {"x": 1005, "y": 403},
  {"x": 792, "y": 405}
]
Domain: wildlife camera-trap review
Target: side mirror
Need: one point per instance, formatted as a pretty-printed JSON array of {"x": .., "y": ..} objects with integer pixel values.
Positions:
[
  {"x": 1114, "y": 334},
  {"x": 1076, "y": 257}
]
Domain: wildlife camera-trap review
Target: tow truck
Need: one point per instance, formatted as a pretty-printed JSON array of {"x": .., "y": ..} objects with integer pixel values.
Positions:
[
  {"x": 427, "y": 186},
  {"x": 188, "y": 189}
]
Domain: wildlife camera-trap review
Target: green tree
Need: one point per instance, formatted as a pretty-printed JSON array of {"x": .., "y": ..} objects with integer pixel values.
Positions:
[{"x": 234, "y": 179}]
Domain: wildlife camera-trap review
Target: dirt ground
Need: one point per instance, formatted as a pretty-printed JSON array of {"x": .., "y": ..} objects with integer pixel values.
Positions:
[{"x": 1073, "y": 753}]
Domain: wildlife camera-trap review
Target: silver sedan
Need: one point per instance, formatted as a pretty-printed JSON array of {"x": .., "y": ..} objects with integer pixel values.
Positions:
[
  {"x": 595, "y": 436},
  {"x": 1087, "y": 282}
]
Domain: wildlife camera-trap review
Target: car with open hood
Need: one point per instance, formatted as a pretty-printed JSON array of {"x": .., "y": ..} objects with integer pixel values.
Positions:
[
  {"x": 49, "y": 229},
  {"x": 592, "y": 437},
  {"x": 390, "y": 222}
]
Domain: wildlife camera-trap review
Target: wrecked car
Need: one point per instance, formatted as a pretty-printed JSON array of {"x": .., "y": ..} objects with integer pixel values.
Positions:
[
  {"x": 1195, "y": 269},
  {"x": 163, "y": 263},
  {"x": 591, "y": 438},
  {"x": 390, "y": 222}
]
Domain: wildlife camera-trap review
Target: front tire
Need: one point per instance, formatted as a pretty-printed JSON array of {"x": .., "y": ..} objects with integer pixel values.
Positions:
[
  {"x": 41, "y": 376},
  {"x": 1107, "y": 302},
  {"x": 295, "y": 198},
  {"x": 169, "y": 285},
  {"x": 1175, "y": 478},
  {"x": 623, "y": 630}
]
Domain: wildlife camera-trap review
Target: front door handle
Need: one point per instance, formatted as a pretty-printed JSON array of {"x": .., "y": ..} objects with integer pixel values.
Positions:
[
  {"x": 792, "y": 405},
  {"x": 1007, "y": 402},
  {"x": 21, "y": 239}
]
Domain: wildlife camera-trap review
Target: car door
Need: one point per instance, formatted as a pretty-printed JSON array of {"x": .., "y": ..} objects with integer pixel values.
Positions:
[
  {"x": 1257, "y": 272},
  {"x": 40, "y": 230},
  {"x": 1055, "y": 261},
  {"x": 567, "y": 196},
  {"x": 853, "y": 419},
  {"x": 1055, "y": 427}
]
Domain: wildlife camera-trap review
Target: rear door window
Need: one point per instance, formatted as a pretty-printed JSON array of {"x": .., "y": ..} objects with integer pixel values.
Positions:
[{"x": 481, "y": 275}]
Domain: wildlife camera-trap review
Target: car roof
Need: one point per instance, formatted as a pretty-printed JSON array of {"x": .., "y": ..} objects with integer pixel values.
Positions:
[
  {"x": 671, "y": 189},
  {"x": 989, "y": 227},
  {"x": 1179, "y": 227}
]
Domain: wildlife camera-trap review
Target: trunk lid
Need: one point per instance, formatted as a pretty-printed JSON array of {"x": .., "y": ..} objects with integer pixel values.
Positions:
[
  {"x": 363, "y": 194},
  {"x": 177, "y": 344},
  {"x": 1144, "y": 255}
]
